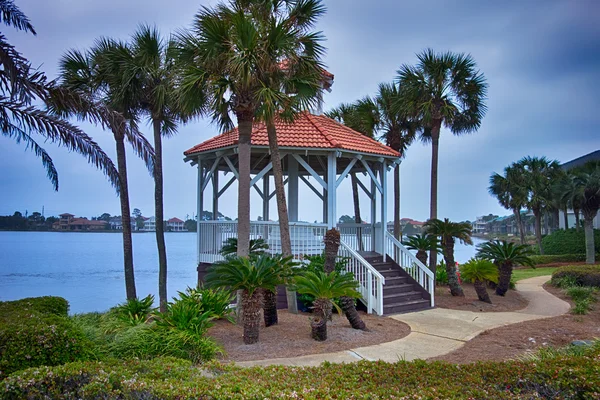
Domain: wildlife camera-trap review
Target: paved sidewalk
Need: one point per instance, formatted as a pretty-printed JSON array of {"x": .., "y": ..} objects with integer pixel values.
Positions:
[{"x": 439, "y": 331}]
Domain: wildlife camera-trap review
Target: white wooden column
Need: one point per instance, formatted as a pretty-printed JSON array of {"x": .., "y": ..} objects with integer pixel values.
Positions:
[
  {"x": 199, "y": 205},
  {"x": 383, "y": 177},
  {"x": 373, "y": 215},
  {"x": 292, "y": 189},
  {"x": 331, "y": 195},
  {"x": 215, "y": 199}
]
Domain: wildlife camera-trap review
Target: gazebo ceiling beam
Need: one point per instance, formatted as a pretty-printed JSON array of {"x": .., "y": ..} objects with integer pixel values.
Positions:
[
  {"x": 285, "y": 181},
  {"x": 257, "y": 163},
  {"x": 310, "y": 185},
  {"x": 231, "y": 167},
  {"x": 372, "y": 175},
  {"x": 260, "y": 192},
  {"x": 364, "y": 188},
  {"x": 210, "y": 173},
  {"x": 262, "y": 173},
  {"x": 226, "y": 186},
  {"x": 309, "y": 169},
  {"x": 347, "y": 170}
]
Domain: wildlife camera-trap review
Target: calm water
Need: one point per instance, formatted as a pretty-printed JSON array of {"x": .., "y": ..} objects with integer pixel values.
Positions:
[{"x": 87, "y": 268}]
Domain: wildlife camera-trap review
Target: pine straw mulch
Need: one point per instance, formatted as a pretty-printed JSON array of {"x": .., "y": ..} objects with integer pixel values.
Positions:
[
  {"x": 511, "y": 341},
  {"x": 291, "y": 336},
  {"x": 512, "y": 301}
]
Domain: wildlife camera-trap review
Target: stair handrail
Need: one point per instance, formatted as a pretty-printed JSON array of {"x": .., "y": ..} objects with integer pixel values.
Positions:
[
  {"x": 423, "y": 275},
  {"x": 369, "y": 279}
]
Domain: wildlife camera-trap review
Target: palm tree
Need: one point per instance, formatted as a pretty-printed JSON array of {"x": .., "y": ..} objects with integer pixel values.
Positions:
[
  {"x": 442, "y": 89},
  {"x": 505, "y": 255},
  {"x": 20, "y": 87},
  {"x": 325, "y": 287},
  {"x": 566, "y": 191},
  {"x": 248, "y": 276},
  {"x": 95, "y": 76},
  {"x": 399, "y": 132},
  {"x": 511, "y": 192},
  {"x": 448, "y": 232},
  {"x": 258, "y": 247},
  {"x": 422, "y": 244},
  {"x": 587, "y": 194},
  {"x": 479, "y": 271},
  {"x": 538, "y": 174}
]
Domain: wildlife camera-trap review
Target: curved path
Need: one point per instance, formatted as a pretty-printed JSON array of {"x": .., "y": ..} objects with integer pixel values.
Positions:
[{"x": 438, "y": 331}]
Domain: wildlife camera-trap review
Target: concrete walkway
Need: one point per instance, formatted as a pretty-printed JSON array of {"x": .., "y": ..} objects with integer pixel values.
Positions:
[{"x": 439, "y": 331}]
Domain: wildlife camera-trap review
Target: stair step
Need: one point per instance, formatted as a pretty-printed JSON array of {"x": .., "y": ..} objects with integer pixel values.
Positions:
[
  {"x": 391, "y": 273},
  {"x": 408, "y": 306},
  {"x": 398, "y": 288},
  {"x": 397, "y": 298},
  {"x": 395, "y": 280}
]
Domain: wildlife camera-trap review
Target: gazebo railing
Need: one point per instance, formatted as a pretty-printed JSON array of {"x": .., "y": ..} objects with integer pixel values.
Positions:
[{"x": 358, "y": 236}]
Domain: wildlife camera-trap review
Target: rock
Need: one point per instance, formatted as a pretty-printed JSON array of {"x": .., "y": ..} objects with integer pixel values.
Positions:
[{"x": 582, "y": 342}]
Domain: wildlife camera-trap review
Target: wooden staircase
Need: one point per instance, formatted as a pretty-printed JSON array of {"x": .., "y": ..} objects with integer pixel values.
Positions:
[{"x": 401, "y": 293}]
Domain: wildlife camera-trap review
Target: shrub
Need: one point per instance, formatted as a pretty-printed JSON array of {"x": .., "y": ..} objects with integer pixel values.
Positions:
[
  {"x": 441, "y": 275},
  {"x": 37, "y": 331},
  {"x": 561, "y": 258},
  {"x": 134, "y": 311},
  {"x": 569, "y": 241},
  {"x": 216, "y": 301},
  {"x": 572, "y": 375},
  {"x": 581, "y": 275}
]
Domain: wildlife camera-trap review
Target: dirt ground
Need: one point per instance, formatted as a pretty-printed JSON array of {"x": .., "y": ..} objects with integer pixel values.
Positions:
[
  {"x": 512, "y": 301},
  {"x": 291, "y": 337},
  {"x": 511, "y": 341}
]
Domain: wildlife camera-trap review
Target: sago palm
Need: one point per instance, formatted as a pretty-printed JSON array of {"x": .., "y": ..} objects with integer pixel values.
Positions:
[
  {"x": 258, "y": 247},
  {"x": 21, "y": 86},
  {"x": 442, "y": 89},
  {"x": 505, "y": 255},
  {"x": 449, "y": 232},
  {"x": 422, "y": 244},
  {"x": 587, "y": 194},
  {"x": 95, "y": 76},
  {"x": 479, "y": 271},
  {"x": 325, "y": 287},
  {"x": 248, "y": 276}
]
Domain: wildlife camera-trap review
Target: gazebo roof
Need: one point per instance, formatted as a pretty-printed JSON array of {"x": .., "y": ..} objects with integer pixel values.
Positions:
[{"x": 308, "y": 131}]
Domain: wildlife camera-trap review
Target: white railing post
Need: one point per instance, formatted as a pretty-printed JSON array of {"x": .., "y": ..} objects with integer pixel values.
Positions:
[{"x": 370, "y": 289}]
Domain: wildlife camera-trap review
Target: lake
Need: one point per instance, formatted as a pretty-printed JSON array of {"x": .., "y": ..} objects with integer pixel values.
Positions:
[{"x": 87, "y": 268}]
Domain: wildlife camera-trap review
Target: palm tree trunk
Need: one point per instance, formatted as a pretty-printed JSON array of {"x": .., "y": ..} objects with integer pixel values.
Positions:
[
  {"x": 251, "y": 315},
  {"x": 357, "y": 217},
  {"x": 270, "y": 307},
  {"x": 318, "y": 327},
  {"x": 505, "y": 273},
  {"x": 538, "y": 229},
  {"x": 158, "y": 211},
  {"x": 284, "y": 224},
  {"x": 422, "y": 256},
  {"x": 435, "y": 142},
  {"x": 125, "y": 218},
  {"x": 349, "y": 309},
  {"x": 577, "y": 221},
  {"x": 481, "y": 291},
  {"x": 520, "y": 225},
  {"x": 455, "y": 288},
  {"x": 590, "y": 251},
  {"x": 332, "y": 245},
  {"x": 245, "y": 120},
  {"x": 566, "y": 217}
]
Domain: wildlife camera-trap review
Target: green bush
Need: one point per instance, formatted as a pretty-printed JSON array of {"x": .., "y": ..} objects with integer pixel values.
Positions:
[
  {"x": 134, "y": 311},
  {"x": 37, "y": 331},
  {"x": 216, "y": 302},
  {"x": 561, "y": 258},
  {"x": 581, "y": 275},
  {"x": 569, "y": 241},
  {"x": 560, "y": 375}
]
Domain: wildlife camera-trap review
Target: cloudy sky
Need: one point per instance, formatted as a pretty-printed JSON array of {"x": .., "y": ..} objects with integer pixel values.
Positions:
[{"x": 541, "y": 60}]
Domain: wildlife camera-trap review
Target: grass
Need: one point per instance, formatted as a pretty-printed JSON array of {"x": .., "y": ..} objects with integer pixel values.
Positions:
[{"x": 519, "y": 274}]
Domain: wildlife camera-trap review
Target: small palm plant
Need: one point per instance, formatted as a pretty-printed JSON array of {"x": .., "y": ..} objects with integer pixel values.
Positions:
[
  {"x": 324, "y": 288},
  {"x": 422, "y": 244},
  {"x": 505, "y": 255},
  {"x": 248, "y": 275},
  {"x": 449, "y": 232},
  {"x": 134, "y": 311},
  {"x": 479, "y": 271},
  {"x": 257, "y": 247}
]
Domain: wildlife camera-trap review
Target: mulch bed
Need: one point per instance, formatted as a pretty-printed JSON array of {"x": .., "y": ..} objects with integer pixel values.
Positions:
[
  {"x": 512, "y": 301},
  {"x": 291, "y": 337},
  {"x": 514, "y": 340}
]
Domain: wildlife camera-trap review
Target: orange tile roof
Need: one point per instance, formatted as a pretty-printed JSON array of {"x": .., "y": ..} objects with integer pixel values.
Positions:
[{"x": 308, "y": 131}]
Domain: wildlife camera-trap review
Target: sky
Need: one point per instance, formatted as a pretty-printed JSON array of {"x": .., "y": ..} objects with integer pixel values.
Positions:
[{"x": 541, "y": 59}]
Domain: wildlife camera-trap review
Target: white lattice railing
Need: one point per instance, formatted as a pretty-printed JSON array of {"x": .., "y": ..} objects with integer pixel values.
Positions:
[
  {"x": 370, "y": 280},
  {"x": 357, "y": 236},
  {"x": 307, "y": 239},
  {"x": 407, "y": 260}
]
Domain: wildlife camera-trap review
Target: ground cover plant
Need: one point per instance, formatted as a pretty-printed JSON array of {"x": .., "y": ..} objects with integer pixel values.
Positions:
[
  {"x": 557, "y": 375},
  {"x": 580, "y": 283},
  {"x": 525, "y": 273}
]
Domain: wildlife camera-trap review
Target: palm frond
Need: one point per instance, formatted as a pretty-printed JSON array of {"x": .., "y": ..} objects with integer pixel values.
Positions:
[{"x": 11, "y": 15}]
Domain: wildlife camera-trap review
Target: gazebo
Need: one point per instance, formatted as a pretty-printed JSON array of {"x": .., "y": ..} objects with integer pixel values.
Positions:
[{"x": 319, "y": 152}]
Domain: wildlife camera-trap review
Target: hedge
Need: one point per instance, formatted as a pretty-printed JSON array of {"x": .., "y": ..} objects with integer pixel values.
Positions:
[
  {"x": 559, "y": 258},
  {"x": 569, "y": 241},
  {"x": 582, "y": 275},
  {"x": 37, "y": 331},
  {"x": 560, "y": 376}
]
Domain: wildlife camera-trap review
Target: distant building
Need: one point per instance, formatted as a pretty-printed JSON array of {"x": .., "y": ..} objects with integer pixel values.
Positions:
[
  {"x": 116, "y": 223},
  {"x": 176, "y": 225},
  {"x": 68, "y": 222},
  {"x": 149, "y": 224},
  {"x": 480, "y": 226}
]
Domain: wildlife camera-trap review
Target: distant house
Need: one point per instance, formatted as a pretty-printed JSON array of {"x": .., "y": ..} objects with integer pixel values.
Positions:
[
  {"x": 480, "y": 226},
  {"x": 175, "y": 225},
  {"x": 116, "y": 223},
  {"x": 68, "y": 222},
  {"x": 149, "y": 224}
]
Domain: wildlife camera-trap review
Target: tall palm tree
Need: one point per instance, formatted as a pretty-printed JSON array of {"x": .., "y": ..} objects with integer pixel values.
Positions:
[
  {"x": 96, "y": 77},
  {"x": 449, "y": 232},
  {"x": 20, "y": 87},
  {"x": 566, "y": 190},
  {"x": 399, "y": 132},
  {"x": 442, "y": 89},
  {"x": 587, "y": 193},
  {"x": 511, "y": 192},
  {"x": 422, "y": 244},
  {"x": 538, "y": 174},
  {"x": 505, "y": 255}
]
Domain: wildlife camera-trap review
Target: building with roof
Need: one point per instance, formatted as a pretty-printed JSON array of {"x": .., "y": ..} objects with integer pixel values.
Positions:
[
  {"x": 176, "y": 225},
  {"x": 68, "y": 222}
]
